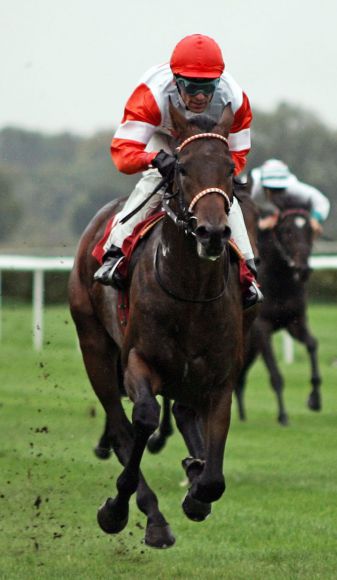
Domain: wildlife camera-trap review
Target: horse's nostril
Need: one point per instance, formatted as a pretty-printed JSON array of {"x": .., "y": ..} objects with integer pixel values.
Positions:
[
  {"x": 226, "y": 234},
  {"x": 202, "y": 233},
  {"x": 205, "y": 233}
]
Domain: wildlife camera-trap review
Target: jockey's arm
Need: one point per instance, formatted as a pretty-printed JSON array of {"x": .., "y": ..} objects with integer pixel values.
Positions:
[
  {"x": 141, "y": 119},
  {"x": 268, "y": 222},
  {"x": 239, "y": 136},
  {"x": 320, "y": 205}
]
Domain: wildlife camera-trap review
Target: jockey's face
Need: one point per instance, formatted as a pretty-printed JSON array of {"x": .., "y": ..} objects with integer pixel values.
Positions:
[
  {"x": 196, "y": 93},
  {"x": 196, "y": 103}
]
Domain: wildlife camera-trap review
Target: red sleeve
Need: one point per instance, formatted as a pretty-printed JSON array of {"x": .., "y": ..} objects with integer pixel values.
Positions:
[
  {"x": 241, "y": 123},
  {"x": 141, "y": 116},
  {"x": 239, "y": 158}
]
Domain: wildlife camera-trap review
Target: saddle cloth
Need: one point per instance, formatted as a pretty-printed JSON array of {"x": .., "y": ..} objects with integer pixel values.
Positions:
[{"x": 130, "y": 243}]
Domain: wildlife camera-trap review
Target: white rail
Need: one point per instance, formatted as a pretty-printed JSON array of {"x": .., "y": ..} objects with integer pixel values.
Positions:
[{"x": 38, "y": 266}]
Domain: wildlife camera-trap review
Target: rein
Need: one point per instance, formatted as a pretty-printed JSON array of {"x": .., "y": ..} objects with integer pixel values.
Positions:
[{"x": 289, "y": 212}]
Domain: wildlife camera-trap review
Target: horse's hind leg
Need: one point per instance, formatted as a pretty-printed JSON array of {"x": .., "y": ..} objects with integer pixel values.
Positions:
[
  {"x": 250, "y": 356},
  {"x": 300, "y": 332},
  {"x": 158, "y": 440},
  {"x": 276, "y": 378},
  {"x": 103, "y": 447}
]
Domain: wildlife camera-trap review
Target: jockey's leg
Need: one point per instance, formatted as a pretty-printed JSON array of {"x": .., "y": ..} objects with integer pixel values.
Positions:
[
  {"x": 108, "y": 272},
  {"x": 252, "y": 294}
]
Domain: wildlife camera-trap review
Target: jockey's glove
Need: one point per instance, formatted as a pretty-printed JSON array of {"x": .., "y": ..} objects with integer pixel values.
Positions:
[{"x": 165, "y": 163}]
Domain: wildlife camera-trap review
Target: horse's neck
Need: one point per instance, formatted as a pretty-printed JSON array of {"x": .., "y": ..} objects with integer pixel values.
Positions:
[
  {"x": 183, "y": 268},
  {"x": 276, "y": 278}
]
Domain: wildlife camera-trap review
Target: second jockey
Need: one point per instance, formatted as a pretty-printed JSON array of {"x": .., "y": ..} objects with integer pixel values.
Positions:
[{"x": 196, "y": 82}]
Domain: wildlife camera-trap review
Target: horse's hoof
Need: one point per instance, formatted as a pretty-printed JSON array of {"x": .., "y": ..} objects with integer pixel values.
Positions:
[
  {"x": 159, "y": 536},
  {"x": 196, "y": 510},
  {"x": 156, "y": 443},
  {"x": 283, "y": 420},
  {"x": 102, "y": 452},
  {"x": 314, "y": 402},
  {"x": 110, "y": 520}
]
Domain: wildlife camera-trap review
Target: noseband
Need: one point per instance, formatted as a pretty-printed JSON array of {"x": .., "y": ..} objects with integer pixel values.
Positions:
[{"x": 186, "y": 213}]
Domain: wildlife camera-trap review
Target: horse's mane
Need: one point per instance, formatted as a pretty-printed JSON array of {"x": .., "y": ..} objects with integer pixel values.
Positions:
[{"x": 202, "y": 122}]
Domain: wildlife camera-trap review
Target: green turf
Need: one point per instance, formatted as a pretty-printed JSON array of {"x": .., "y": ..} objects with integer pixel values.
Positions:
[{"x": 278, "y": 518}]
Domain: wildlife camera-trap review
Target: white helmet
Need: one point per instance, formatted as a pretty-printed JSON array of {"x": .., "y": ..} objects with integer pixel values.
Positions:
[{"x": 275, "y": 174}]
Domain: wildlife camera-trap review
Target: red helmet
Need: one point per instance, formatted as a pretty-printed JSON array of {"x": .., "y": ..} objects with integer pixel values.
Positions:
[{"x": 197, "y": 56}]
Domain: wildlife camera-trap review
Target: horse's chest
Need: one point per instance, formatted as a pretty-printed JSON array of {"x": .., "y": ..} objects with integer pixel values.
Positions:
[{"x": 198, "y": 357}]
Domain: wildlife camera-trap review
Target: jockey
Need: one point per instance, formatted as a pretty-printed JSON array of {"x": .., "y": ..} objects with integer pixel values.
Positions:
[
  {"x": 274, "y": 176},
  {"x": 196, "y": 83}
]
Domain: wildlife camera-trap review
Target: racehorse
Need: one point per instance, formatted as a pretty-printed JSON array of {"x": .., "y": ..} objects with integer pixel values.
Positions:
[
  {"x": 283, "y": 274},
  {"x": 185, "y": 333}
]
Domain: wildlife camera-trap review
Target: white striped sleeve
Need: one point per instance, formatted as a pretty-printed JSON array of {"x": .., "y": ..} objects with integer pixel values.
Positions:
[
  {"x": 239, "y": 141},
  {"x": 320, "y": 203},
  {"x": 135, "y": 131}
]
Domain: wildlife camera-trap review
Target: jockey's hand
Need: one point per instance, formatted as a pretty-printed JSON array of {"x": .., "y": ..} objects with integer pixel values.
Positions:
[
  {"x": 316, "y": 227},
  {"x": 165, "y": 163},
  {"x": 269, "y": 222}
]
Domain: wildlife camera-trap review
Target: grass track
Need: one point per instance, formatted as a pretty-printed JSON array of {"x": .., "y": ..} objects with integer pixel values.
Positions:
[{"x": 278, "y": 518}]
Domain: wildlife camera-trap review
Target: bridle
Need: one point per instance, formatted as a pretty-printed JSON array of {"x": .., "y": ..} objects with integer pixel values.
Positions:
[
  {"x": 185, "y": 217},
  {"x": 278, "y": 245}
]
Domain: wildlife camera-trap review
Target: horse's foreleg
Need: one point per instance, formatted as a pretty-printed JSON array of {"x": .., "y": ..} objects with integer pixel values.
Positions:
[
  {"x": 275, "y": 376},
  {"x": 300, "y": 332},
  {"x": 158, "y": 440},
  {"x": 210, "y": 485},
  {"x": 100, "y": 358},
  {"x": 113, "y": 515},
  {"x": 140, "y": 384}
]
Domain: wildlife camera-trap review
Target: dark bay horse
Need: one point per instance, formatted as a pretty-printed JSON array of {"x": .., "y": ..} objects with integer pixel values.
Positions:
[
  {"x": 283, "y": 273},
  {"x": 185, "y": 333}
]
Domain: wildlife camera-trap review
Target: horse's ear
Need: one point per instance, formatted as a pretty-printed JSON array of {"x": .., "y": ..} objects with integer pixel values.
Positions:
[
  {"x": 178, "y": 120},
  {"x": 226, "y": 120}
]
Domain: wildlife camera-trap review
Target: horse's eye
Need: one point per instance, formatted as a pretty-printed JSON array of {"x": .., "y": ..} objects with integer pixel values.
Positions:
[
  {"x": 181, "y": 169},
  {"x": 231, "y": 169}
]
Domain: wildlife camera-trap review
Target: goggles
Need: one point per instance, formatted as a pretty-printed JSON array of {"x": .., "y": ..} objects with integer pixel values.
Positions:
[{"x": 193, "y": 87}]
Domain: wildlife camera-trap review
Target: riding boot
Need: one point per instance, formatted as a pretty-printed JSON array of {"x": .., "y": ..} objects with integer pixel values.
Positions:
[
  {"x": 108, "y": 273},
  {"x": 253, "y": 294}
]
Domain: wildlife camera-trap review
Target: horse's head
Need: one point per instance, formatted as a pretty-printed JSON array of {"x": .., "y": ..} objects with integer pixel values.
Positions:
[
  {"x": 293, "y": 236},
  {"x": 203, "y": 179}
]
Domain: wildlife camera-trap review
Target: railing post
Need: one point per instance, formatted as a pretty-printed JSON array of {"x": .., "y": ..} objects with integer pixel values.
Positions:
[
  {"x": 38, "y": 309},
  {"x": 288, "y": 348},
  {"x": 0, "y": 306}
]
